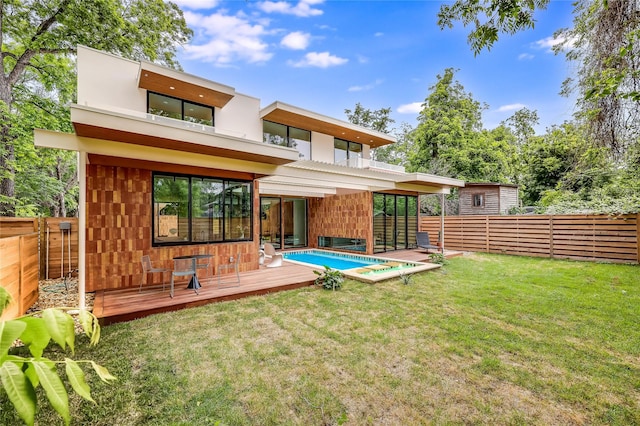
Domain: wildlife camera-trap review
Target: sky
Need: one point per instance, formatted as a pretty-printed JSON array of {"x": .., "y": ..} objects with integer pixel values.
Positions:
[{"x": 328, "y": 55}]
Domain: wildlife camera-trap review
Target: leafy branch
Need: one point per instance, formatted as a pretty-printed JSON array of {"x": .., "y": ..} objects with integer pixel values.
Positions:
[{"x": 20, "y": 376}]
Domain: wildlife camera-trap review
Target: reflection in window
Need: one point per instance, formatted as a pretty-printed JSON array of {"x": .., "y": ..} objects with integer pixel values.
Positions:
[
  {"x": 343, "y": 151},
  {"x": 189, "y": 209},
  {"x": 292, "y": 137},
  {"x": 166, "y": 106}
]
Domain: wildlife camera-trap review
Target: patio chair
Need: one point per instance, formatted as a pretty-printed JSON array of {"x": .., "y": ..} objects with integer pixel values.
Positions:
[
  {"x": 270, "y": 252},
  {"x": 232, "y": 266},
  {"x": 147, "y": 269},
  {"x": 203, "y": 262},
  {"x": 184, "y": 268},
  {"x": 422, "y": 240}
]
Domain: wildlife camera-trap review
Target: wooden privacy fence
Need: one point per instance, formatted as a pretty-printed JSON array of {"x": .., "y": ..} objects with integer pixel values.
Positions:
[
  {"x": 19, "y": 272},
  {"x": 578, "y": 237},
  {"x": 54, "y": 246}
]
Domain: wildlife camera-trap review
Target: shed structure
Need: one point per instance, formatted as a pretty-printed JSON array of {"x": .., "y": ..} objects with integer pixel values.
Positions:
[{"x": 487, "y": 198}]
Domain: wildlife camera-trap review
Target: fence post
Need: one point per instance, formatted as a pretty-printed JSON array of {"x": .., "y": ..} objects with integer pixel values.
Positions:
[
  {"x": 486, "y": 233},
  {"x": 551, "y": 237},
  {"x": 638, "y": 236}
]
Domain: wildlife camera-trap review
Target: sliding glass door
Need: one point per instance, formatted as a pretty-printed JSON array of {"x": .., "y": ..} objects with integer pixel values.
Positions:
[
  {"x": 395, "y": 222},
  {"x": 283, "y": 221}
]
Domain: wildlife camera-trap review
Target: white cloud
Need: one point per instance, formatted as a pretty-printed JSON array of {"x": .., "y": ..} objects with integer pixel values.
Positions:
[
  {"x": 549, "y": 43},
  {"x": 378, "y": 34},
  {"x": 525, "y": 56},
  {"x": 320, "y": 60},
  {"x": 304, "y": 8},
  {"x": 296, "y": 40},
  {"x": 363, "y": 59},
  {"x": 510, "y": 107},
  {"x": 365, "y": 87},
  {"x": 412, "y": 108},
  {"x": 224, "y": 39},
  {"x": 196, "y": 4}
]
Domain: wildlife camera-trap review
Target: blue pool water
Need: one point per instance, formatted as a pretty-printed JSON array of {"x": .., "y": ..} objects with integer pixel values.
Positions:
[{"x": 337, "y": 261}]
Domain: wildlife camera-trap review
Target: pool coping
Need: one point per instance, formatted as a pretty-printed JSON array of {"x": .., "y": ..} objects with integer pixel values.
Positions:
[{"x": 370, "y": 278}]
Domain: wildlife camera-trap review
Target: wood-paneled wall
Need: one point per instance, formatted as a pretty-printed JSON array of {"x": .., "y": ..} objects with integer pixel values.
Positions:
[
  {"x": 119, "y": 231},
  {"x": 348, "y": 216},
  {"x": 578, "y": 237},
  {"x": 19, "y": 272}
]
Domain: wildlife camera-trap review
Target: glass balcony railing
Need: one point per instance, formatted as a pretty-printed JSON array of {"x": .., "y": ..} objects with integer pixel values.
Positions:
[{"x": 364, "y": 163}]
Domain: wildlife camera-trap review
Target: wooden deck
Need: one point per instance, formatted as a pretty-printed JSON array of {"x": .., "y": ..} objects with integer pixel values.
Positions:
[{"x": 112, "y": 306}]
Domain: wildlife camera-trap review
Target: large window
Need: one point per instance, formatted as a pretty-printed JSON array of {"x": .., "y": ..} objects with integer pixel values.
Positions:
[
  {"x": 283, "y": 221},
  {"x": 190, "y": 210},
  {"x": 166, "y": 106},
  {"x": 344, "y": 151},
  {"x": 292, "y": 137}
]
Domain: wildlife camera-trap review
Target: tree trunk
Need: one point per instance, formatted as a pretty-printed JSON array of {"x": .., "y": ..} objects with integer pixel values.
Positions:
[{"x": 7, "y": 159}]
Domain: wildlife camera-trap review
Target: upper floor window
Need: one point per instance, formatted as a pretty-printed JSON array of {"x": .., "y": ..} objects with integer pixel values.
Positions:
[
  {"x": 166, "y": 106},
  {"x": 343, "y": 151},
  {"x": 283, "y": 135},
  {"x": 192, "y": 209}
]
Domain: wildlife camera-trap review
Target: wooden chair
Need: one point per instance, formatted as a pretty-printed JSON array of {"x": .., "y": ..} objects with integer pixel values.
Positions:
[
  {"x": 147, "y": 268},
  {"x": 232, "y": 266}
]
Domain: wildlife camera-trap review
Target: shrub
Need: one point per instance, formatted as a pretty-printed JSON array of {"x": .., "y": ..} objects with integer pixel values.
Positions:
[
  {"x": 330, "y": 279},
  {"x": 438, "y": 258}
]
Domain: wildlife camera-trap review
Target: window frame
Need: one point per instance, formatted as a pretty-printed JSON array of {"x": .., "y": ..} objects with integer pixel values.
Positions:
[
  {"x": 349, "y": 151},
  {"x": 182, "y": 102},
  {"x": 190, "y": 237},
  {"x": 289, "y": 138},
  {"x": 478, "y": 196}
]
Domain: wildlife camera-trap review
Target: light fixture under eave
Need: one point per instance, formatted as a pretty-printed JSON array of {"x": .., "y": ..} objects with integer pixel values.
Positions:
[
  {"x": 202, "y": 96},
  {"x": 171, "y": 87}
]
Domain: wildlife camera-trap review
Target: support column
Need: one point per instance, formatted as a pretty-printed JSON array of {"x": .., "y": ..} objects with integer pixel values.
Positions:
[
  {"x": 442, "y": 222},
  {"x": 82, "y": 228}
]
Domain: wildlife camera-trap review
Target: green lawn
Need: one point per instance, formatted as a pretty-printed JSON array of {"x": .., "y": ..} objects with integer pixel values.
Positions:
[{"x": 485, "y": 340}]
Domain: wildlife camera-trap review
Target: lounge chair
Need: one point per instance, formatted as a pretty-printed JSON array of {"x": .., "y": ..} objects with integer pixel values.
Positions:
[
  {"x": 423, "y": 242},
  {"x": 270, "y": 252}
]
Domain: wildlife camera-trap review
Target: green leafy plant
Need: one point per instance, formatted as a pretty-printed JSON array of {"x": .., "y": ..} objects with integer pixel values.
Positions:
[
  {"x": 330, "y": 279},
  {"x": 405, "y": 278},
  {"x": 20, "y": 376},
  {"x": 438, "y": 258}
]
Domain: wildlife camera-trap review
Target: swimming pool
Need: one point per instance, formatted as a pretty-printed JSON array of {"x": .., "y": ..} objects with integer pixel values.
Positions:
[
  {"x": 363, "y": 268},
  {"x": 334, "y": 260}
]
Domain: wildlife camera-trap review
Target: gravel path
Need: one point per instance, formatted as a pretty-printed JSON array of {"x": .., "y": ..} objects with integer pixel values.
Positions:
[{"x": 53, "y": 294}]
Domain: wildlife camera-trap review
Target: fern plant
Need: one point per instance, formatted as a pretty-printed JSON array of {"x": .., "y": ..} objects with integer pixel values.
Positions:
[{"x": 20, "y": 376}]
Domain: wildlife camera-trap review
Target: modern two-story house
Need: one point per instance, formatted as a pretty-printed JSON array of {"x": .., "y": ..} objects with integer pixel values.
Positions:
[{"x": 172, "y": 164}]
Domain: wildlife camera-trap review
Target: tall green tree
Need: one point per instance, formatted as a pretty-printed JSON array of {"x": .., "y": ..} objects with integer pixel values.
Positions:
[
  {"x": 604, "y": 43},
  {"x": 38, "y": 39},
  {"x": 449, "y": 120}
]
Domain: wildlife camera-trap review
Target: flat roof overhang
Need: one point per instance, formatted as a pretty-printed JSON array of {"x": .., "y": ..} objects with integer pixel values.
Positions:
[
  {"x": 331, "y": 179},
  {"x": 108, "y": 125},
  {"x": 184, "y": 86},
  {"x": 282, "y": 113},
  {"x": 109, "y": 152}
]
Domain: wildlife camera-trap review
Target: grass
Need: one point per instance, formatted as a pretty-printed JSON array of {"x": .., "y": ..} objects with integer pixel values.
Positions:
[{"x": 487, "y": 339}]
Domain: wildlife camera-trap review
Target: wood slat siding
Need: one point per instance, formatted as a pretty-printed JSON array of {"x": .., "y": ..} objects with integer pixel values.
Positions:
[
  {"x": 19, "y": 272},
  {"x": 578, "y": 237}
]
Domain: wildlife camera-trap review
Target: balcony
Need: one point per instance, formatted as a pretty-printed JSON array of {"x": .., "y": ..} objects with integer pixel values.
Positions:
[{"x": 364, "y": 163}]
